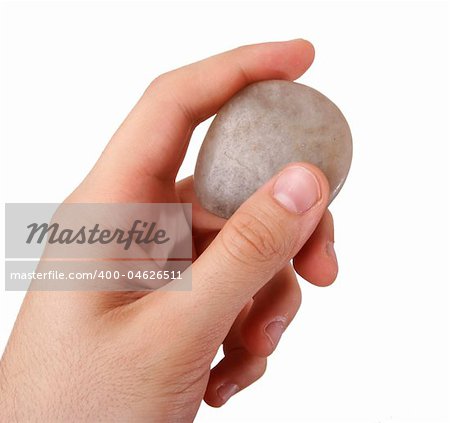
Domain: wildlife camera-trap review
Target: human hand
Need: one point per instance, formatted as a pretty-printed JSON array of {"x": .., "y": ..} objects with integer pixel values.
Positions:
[{"x": 126, "y": 356}]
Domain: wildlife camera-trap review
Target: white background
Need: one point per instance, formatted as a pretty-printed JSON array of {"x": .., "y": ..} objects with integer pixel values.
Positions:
[{"x": 374, "y": 347}]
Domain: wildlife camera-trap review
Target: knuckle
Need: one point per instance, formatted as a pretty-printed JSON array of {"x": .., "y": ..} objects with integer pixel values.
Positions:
[
  {"x": 249, "y": 239},
  {"x": 159, "y": 82},
  {"x": 262, "y": 368}
]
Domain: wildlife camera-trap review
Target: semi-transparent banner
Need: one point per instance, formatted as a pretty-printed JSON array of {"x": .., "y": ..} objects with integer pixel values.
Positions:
[{"x": 99, "y": 247}]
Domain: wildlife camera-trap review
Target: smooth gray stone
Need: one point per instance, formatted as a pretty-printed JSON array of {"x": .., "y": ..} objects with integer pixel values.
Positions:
[{"x": 260, "y": 130}]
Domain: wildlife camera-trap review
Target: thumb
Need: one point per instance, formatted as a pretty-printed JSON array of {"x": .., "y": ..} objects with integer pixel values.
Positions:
[{"x": 260, "y": 238}]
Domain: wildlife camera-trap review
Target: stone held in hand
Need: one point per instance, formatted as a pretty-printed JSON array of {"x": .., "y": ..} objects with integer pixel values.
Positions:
[{"x": 260, "y": 130}]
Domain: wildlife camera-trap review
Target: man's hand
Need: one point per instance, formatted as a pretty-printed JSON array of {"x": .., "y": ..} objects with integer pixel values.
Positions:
[{"x": 99, "y": 356}]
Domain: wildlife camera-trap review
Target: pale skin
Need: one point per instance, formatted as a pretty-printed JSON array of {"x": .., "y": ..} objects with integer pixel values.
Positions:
[{"x": 124, "y": 356}]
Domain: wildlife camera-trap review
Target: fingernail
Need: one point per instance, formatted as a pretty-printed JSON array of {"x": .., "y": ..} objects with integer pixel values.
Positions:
[
  {"x": 329, "y": 248},
  {"x": 274, "y": 330},
  {"x": 297, "y": 189},
  {"x": 226, "y": 391}
]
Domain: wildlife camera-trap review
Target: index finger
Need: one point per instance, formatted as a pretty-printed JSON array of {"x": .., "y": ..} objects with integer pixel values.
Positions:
[{"x": 152, "y": 141}]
